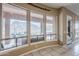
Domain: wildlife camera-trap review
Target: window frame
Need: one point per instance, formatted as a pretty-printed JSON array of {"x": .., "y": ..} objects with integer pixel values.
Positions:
[{"x": 26, "y": 17}]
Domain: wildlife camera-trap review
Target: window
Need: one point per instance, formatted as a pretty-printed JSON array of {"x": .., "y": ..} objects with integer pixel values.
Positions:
[
  {"x": 18, "y": 25},
  {"x": 14, "y": 26},
  {"x": 50, "y": 28},
  {"x": 77, "y": 29},
  {"x": 36, "y": 27}
]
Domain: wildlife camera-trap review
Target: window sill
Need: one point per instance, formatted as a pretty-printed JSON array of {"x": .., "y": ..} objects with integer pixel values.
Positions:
[{"x": 33, "y": 43}]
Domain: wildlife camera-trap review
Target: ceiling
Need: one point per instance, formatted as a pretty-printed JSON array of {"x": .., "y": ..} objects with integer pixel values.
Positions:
[
  {"x": 74, "y": 7},
  {"x": 13, "y": 10}
]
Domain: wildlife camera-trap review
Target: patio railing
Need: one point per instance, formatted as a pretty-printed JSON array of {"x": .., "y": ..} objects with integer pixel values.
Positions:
[{"x": 8, "y": 43}]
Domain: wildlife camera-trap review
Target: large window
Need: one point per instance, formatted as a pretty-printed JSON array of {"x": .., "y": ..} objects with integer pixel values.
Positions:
[
  {"x": 36, "y": 27},
  {"x": 20, "y": 27},
  {"x": 14, "y": 26},
  {"x": 50, "y": 28}
]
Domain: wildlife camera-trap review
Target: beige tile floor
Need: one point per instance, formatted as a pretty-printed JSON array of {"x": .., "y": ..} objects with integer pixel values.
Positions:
[{"x": 69, "y": 50}]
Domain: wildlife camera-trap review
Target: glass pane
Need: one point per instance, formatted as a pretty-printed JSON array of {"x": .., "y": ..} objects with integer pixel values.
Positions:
[
  {"x": 8, "y": 43},
  {"x": 14, "y": 25},
  {"x": 77, "y": 29},
  {"x": 21, "y": 41},
  {"x": 50, "y": 26},
  {"x": 51, "y": 37},
  {"x": 36, "y": 27}
]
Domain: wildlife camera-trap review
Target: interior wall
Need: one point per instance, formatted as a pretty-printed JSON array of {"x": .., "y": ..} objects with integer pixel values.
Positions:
[
  {"x": 62, "y": 23},
  {"x": 76, "y": 21}
]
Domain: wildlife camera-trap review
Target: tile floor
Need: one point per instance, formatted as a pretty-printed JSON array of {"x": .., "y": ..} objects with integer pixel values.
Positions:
[{"x": 69, "y": 50}]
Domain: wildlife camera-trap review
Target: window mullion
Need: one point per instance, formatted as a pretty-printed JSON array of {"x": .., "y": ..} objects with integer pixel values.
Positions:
[
  {"x": 44, "y": 26},
  {"x": 28, "y": 27}
]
